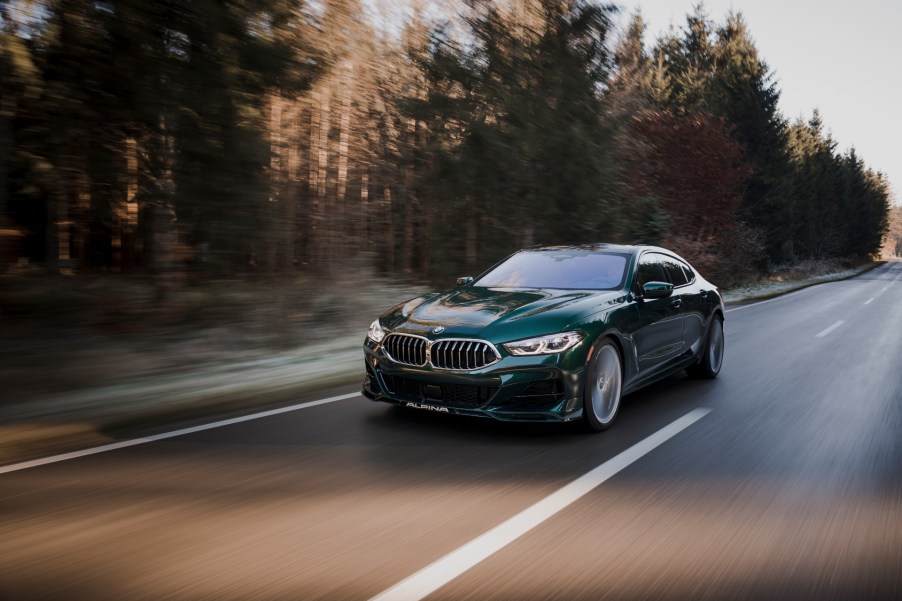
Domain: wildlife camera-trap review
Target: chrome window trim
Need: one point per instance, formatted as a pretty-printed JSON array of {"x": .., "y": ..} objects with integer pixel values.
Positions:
[{"x": 430, "y": 343}]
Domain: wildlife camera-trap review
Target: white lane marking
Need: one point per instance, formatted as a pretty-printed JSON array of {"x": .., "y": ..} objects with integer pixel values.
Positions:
[
  {"x": 830, "y": 329},
  {"x": 878, "y": 295},
  {"x": 155, "y": 437},
  {"x": 455, "y": 563}
]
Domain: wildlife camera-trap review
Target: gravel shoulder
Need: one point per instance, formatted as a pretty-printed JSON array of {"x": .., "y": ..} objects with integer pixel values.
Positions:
[{"x": 778, "y": 287}]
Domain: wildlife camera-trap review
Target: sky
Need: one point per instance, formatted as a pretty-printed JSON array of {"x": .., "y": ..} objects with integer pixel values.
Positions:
[{"x": 842, "y": 58}]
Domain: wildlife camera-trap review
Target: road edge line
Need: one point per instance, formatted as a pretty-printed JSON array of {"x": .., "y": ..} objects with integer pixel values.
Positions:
[{"x": 23, "y": 465}]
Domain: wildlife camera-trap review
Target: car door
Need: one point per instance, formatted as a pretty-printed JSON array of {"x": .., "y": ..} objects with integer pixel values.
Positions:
[
  {"x": 659, "y": 337},
  {"x": 687, "y": 297}
]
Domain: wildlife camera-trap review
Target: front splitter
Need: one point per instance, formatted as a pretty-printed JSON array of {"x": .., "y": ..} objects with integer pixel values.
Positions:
[{"x": 487, "y": 412}]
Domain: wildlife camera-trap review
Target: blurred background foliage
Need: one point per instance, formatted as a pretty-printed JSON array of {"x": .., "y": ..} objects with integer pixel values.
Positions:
[{"x": 425, "y": 140}]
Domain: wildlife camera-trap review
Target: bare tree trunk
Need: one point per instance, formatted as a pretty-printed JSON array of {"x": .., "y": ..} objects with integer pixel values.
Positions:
[
  {"x": 130, "y": 207},
  {"x": 125, "y": 210},
  {"x": 161, "y": 227},
  {"x": 82, "y": 228},
  {"x": 7, "y": 110},
  {"x": 57, "y": 239},
  {"x": 292, "y": 193},
  {"x": 331, "y": 216},
  {"x": 389, "y": 244},
  {"x": 407, "y": 244},
  {"x": 346, "y": 88},
  {"x": 274, "y": 241},
  {"x": 321, "y": 234},
  {"x": 363, "y": 234},
  {"x": 344, "y": 220}
]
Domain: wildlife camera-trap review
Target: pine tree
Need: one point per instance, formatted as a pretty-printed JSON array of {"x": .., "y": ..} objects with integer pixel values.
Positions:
[
  {"x": 522, "y": 133},
  {"x": 716, "y": 70},
  {"x": 745, "y": 92},
  {"x": 630, "y": 80}
]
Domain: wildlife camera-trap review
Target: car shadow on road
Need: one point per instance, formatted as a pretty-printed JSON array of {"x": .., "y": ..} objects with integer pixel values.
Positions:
[
  {"x": 423, "y": 441},
  {"x": 669, "y": 393}
]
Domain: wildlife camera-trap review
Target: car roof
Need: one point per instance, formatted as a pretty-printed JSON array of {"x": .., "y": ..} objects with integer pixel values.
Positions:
[{"x": 618, "y": 248}]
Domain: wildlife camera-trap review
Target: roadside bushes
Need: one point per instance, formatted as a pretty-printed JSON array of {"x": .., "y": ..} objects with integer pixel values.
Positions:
[{"x": 682, "y": 177}]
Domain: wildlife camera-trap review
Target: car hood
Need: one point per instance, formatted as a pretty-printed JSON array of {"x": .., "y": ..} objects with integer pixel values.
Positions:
[{"x": 496, "y": 314}]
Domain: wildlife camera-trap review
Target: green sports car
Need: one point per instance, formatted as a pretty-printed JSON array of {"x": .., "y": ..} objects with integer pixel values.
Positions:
[{"x": 548, "y": 334}]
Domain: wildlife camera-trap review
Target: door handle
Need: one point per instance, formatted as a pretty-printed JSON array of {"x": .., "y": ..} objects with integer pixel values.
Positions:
[{"x": 677, "y": 302}]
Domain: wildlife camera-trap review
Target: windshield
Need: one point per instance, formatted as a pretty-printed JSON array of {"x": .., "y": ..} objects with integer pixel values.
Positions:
[{"x": 578, "y": 269}]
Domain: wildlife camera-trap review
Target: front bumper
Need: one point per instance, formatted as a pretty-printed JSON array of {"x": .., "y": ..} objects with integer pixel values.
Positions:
[{"x": 545, "y": 388}]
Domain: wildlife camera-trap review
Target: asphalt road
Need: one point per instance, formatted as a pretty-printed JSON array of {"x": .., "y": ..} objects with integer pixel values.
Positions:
[{"x": 789, "y": 487}]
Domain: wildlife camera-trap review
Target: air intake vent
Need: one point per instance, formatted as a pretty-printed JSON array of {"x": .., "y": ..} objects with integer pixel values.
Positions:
[
  {"x": 409, "y": 350},
  {"x": 539, "y": 395}
]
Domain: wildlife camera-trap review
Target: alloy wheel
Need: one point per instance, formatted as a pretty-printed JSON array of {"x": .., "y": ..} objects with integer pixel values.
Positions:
[
  {"x": 715, "y": 346},
  {"x": 606, "y": 380}
]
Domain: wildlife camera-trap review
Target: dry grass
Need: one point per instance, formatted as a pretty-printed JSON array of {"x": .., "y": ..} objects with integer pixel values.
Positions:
[
  {"x": 66, "y": 333},
  {"x": 795, "y": 277}
]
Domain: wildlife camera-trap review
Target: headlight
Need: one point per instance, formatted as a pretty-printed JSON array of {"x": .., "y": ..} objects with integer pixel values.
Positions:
[
  {"x": 376, "y": 333},
  {"x": 544, "y": 345}
]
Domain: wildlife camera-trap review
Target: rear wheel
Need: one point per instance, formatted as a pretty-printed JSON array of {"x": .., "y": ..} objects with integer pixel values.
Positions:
[
  {"x": 604, "y": 380},
  {"x": 712, "y": 353}
]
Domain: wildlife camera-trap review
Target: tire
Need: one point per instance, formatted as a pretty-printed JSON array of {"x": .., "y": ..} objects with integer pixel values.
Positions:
[
  {"x": 602, "y": 387},
  {"x": 712, "y": 353}
]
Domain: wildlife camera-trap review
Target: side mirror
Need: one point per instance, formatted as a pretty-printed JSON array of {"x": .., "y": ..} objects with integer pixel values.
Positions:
[
  {"x": 464, "y": 281},
  {"x": 657, "y": 290}
]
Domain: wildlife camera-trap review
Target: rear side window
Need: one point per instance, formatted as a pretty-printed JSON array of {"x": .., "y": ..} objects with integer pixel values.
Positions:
[
  {"x": 674, "y": 271},
  {"x": 650, "y": 270},
  {"x": 688, "y": 271}
]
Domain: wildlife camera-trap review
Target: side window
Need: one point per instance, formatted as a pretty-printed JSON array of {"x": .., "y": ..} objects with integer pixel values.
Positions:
[
  {"x": 650, "y": 270},
  {"x": 688, "y": 271},
  {"x": 674, "y": 271}
]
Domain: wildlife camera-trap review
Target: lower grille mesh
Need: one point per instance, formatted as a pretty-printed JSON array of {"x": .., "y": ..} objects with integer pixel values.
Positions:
[{"x": 452, "y": 395}]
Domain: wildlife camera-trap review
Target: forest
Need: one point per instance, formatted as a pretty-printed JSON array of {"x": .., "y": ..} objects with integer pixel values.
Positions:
[{"x": 424, "y": 140}]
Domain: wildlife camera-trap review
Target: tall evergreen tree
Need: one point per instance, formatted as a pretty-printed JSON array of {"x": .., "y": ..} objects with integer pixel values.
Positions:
[
  {"x": 630, "y": 79},
  {"x": 717, "y": 70},
  {"x": 524, "y": 145},
  {"x": 746, "y": 93}
]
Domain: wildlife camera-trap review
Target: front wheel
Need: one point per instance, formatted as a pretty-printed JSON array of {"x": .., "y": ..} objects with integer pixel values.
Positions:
[
  {"x": 604, "y": 379},
  {"x": 712, "y": 353}
]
